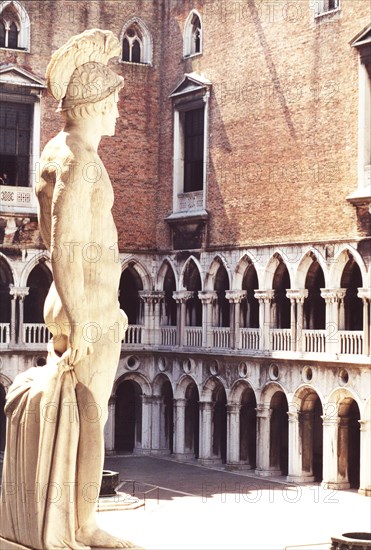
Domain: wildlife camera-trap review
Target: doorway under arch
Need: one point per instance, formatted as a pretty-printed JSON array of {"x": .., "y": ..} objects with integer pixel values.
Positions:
[
  {"x": 128, "y": 416},
  {"x": 248, "y": 428},
  {"x": 278, "y": 447},
  {"x": 219, "y": 425},
  {"x": 192, "y": 420}
]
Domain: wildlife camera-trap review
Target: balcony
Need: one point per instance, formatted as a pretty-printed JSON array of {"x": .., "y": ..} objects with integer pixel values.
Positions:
[
  {"x": 4, "y": 333},
  {"x": 35, "y": 334},
  {"x": 16, "y": 197}
]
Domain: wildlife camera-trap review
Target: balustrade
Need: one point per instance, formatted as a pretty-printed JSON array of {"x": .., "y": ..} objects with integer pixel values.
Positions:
[
  {"x": 221, "y": 337},
  {"x": 168, "y": 336},
  {"x": 4, "y": 333},
  {"x": 134, "y": 334},
  {"x": 314, "y": 341},
  {"x": 193, "y": 337},
  {"x": 250, "y": 338},
  {"x": 351, "y": 341},
  {"x": 35, "y": 333},
  {"x": 281, "y": 339}
]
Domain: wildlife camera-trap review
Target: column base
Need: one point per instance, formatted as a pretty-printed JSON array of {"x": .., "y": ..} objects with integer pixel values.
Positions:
[
  {"x": 210, "y": 461},
  {"x": 109, "y": 452},
  {"x": 140, "y": 452},
  {"x": 341, "y": 485},
  {"x": 183, "y": 456},
  {"x": 10, "y": 545},
  {"x": 300, "y": 479},
  {"x": 237, "y": 466},
  {"x": 160, "y": 452},
  {"x": 268, "y": 473},
  {"x": 365, "y": 491}
]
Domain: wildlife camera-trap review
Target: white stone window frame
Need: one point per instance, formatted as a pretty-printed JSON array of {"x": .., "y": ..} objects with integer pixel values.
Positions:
[
  {"x": 320, "y": 9},
  {"x": 364, "y": 119},
  {"x": 196, "y": 200},
  {"x": 188, "y": 36},
  {"x": 146, "y": 44},
  {"x": 23, "y": 25}
]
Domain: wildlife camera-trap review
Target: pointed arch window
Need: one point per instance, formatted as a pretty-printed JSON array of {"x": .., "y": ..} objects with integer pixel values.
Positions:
[
  {"x": 193, "y": 35},
  {"x": 14, "y": 26},
  {"x": 136, "y": 43}
]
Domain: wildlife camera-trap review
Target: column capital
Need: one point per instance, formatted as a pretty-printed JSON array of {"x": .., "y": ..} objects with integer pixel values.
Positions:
[
  {"x": 235, "y": 296},
  {"x": 19, "y": 291},
  {"x": 206, "y": 405},
  {"x": 297, "y": 295},
  {"x": 333, "y": 295},
  {"x": 330, "y": 420},
  {"x": 180, "y": 402},
  {"x": 151, "y": 296},
  {"x": 233, "y": 408},
  {"x": 293, "y": 417},
  {"x": 263, "y": 411},
  {"x": 264, "y": 296},
  {"x": 364, "y": 294},
  {"x": 181, "y": 296},
  {"x": 207, "y": 296}
]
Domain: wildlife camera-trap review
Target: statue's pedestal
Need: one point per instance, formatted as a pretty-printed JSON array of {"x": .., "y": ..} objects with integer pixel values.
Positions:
[{"x": 8, "y": 545}]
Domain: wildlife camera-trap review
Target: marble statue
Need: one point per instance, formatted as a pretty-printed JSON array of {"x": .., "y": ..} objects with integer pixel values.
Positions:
[{"x": 56, "y": 414}]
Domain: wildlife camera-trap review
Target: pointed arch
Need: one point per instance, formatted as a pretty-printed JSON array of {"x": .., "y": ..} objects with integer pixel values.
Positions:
[
  {"x": 182, "y": 385},
  {"x": 158, "y": 382},
  {"x": 40, "y": 257},
  {"x": 269, "y": 389},
  {"x": 245, "y": 262},
  {"x": 217, "y": 261},
  {"x": 192, "y": 34},
  {"x": 210, "y": 385},
  {"x": 136, "y": 377},
  {"x": 167, "y": 263},
  {"x": 9, "y": 270},
  {"x": 137, "y": 42},
  {"x": 237, "y": 390},
  {"x": 340, "y": 261},
  {"x": 185, "y": 271},
  {"x": 305, "y": 262},
  {"x": 271, "y": 268},
  {"x": 142, "y": 271},
  {"x": 15, "y": 12}
]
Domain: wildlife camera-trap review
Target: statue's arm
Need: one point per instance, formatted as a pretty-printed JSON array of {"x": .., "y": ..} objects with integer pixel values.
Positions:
[{"x": 70, "y": 232}]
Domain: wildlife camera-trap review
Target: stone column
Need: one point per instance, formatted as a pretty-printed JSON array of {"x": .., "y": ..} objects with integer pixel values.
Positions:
[
  {"x": 343, "y": 455},
  {"x": 233, "y": 435},
  {"x": 295, "y": 469},
  {"x": 365, "y": 470},
  {"x": 365, "y": 295},
  {"x": 307, "y": 444},
  {"x": 22, "y": 293},
  {"x": 235, "y": 297},
  {"x": 206, "y": 432},
  {"x": 109, "y": 429},
  {"x": 330, "y": 454},
  {"x": 265, "y": 298},
  {"x": 263, "y": 417},
  {"x": 179, "y": 428},
  {"x": 207, "y": 297},
  {"x": 297, "y": 298},
  {"x": 156, "y": 424},
  {"x": 158, "y": 297},
  {"x": 147, "y": 299},
  {"x": 13, "y": 325},
  {"x": 181, "y": 297},
  {"x": 332, "y": 338},
  {"x": 146, "y": 424}
]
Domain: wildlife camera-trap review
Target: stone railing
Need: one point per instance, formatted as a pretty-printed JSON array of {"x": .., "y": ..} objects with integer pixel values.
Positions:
[
  {"x": 35, "y": 333},
  {"x": 280, "y": 339},
  {"x": 314, "y": 341},
  {"x": 250, "y": 338},
  {"x": 168, "y": 336},
  {"x": 221, "y": 337},
  {"x": 193, "y": 337},
  {"x": 134, "y": 334},
  {"x": 4, "y": 333},
  {"x": 351, "y": 342},
  {"x": 16, "y": 196}
]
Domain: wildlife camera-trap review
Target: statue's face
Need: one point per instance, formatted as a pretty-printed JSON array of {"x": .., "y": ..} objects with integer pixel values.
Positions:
[{"x": 109, "y": 121}]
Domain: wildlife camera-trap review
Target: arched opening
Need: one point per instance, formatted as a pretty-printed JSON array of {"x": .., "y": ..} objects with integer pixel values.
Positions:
[
  {"x": 5, "y": 300},
  {"x": 9, "y": 21},
  {"x": 130, "y": 286},
  {"x": 192, "y": 282},
  {"x": 278, "y": 448},
  {"x": 192, "y": 422},
  {"x": 132, "y": 45},
  {"x": 351, "y": 280},
  {"x": 281, "y": 305},
  {"x": 169, "y": 317},
  {"x": 311, "y": 433},
  {"x": 250, "y": 306},
  {"x": 128, "y": 416},
  {"x": 219, "y": 424},
  {"x": 349, "y": 442},
  {"x": 222, "y": 315},
  {"x": 193, "y": 35},
  {"x": 314, "y": 304},
  {"x": 2, "y": 418},
  {"x": 248, "y": 428},
  {"x": 38, "y": 282},
  {"x": 167, "y": 417}
]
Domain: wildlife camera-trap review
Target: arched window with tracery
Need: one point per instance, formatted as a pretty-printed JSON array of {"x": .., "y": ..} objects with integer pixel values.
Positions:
[
  {"x": 193, "y": 35},
  {"x": 14, "y": 26},
  {"x": 136, "y": 42}
]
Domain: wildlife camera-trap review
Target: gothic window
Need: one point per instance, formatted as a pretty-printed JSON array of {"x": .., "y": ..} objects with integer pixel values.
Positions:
[
  {"x": 15, "y": 142},
  {"x": 193, "y": 35},
  {"x": 136, "y": 42},
  {"x": 14, "y": 26},
  {"x": 193, "y": 122},
  {"x": 325, "y": 6}
]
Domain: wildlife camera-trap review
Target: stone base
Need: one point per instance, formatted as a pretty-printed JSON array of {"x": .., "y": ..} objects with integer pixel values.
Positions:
[
  {"x": 9, "y": 545},
  {"x": 300, "y": 479},
  {"x": 237, "y": 466},
  {"x": 340, "y": 486},
  {"x": 183, "y": 456},
  {"x": 210, "y": 461},
  {"x": 268, "y": 473},
  {"x": 160, "y": 452}
]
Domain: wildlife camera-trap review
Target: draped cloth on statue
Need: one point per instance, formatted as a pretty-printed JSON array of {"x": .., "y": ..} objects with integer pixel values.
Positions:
[{"x": 41, "y": 457}]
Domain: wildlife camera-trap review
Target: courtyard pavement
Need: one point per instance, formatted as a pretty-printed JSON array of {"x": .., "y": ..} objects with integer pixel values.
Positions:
[{"x": 209, "y": 508}]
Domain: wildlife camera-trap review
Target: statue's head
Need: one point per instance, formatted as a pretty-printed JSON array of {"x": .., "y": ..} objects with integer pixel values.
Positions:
[{"x": 79, "y": 78}]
